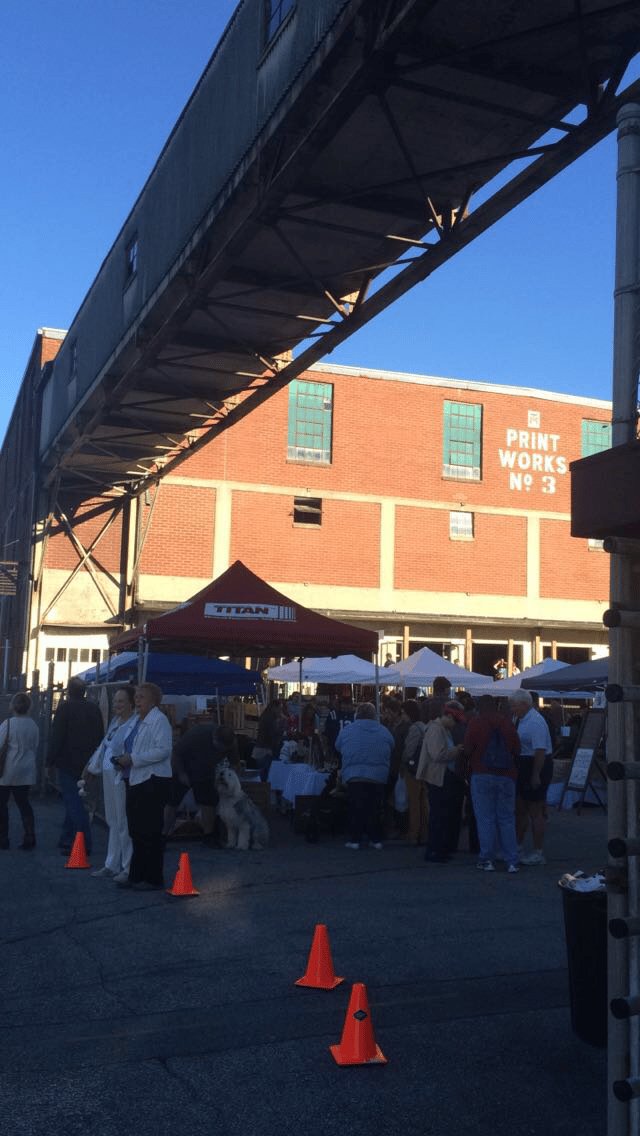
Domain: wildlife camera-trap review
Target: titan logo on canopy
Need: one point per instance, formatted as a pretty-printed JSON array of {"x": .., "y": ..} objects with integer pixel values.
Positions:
[{"x": 249, "y": 611}]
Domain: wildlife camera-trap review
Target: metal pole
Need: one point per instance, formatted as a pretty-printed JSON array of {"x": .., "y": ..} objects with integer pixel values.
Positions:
[{"x": 623, "y": 957}]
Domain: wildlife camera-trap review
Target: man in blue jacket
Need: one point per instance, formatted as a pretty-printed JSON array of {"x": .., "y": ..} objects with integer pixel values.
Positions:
[{"x": 365, "y": 747}]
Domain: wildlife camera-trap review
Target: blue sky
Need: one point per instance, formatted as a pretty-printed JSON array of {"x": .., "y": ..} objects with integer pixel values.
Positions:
[{"x": 89, "y": 91}]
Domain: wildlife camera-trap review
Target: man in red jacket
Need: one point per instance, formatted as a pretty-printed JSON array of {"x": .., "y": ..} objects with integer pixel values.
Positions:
[{"x": 491, "y": 745}]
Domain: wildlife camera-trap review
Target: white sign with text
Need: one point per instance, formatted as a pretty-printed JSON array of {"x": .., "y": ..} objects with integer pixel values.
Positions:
[{"x": 533, "y": 459}]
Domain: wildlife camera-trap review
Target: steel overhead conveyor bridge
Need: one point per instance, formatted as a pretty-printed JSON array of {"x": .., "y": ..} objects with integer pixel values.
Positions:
[{"x": 310, "y": 181}]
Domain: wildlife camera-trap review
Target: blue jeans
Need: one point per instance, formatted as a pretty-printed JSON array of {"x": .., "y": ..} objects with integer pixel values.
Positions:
[
  {"x": 494, "y": 800},
  {"x": 76, "y": 816}
]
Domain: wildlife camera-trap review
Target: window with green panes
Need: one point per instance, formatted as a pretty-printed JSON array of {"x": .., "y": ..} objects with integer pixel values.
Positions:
[
  {"x": 462, "y": 441},
  {"x": 596, "y": 436},
  {"x": 310, "y": 422}
]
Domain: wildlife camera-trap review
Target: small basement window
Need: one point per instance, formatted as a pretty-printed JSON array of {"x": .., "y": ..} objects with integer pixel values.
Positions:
[
  {"x": 461, "y": 526},
  {"x": 307, "y": 511}
]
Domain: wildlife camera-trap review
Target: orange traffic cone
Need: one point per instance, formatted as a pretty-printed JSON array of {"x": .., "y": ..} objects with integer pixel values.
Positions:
[
  {"x": 183, "y": 885},
  {"x": 320, "y": 973},
  {"x": 358, "y": 1045},
  {"x": 78, "y": 857}
]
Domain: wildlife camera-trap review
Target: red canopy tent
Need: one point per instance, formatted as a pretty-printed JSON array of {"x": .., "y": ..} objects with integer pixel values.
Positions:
[{"x": 240, "y": 614}]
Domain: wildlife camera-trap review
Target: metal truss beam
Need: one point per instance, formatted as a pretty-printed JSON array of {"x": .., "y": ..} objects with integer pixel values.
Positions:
[{"x": 555, "y": 158}]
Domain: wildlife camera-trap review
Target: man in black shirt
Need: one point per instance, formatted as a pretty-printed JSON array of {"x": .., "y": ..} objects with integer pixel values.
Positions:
[{"x": 76, "y": 732}]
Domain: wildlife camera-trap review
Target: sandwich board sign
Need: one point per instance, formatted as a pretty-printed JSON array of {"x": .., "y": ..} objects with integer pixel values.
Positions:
[{"x": 585, "y": 761}]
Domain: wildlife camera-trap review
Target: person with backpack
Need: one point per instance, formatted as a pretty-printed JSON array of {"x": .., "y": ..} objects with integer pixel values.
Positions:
[{"x": 491, "y": 745}]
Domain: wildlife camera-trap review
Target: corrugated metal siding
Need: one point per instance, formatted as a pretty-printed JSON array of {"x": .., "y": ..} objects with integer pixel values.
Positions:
[{"x": 234, "y": 99}]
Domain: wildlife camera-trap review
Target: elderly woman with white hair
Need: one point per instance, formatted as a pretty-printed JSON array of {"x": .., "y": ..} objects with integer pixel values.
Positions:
[
  {"x": 147, "y": 756},
  {"x": 535, "y": 770},
  {"x": 365, "y": 747}
]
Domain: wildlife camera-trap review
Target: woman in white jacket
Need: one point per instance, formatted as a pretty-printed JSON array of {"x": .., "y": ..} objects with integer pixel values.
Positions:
[
  {"x": 19, "y": 770},
  {"x": 147, "y": 757},
  {"x": 119, "y": 848}
]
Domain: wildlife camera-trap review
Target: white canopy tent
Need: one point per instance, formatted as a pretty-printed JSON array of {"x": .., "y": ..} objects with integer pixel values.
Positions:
[
  {"x": 506, "y": 686},
  {"x": 421, "y": 668},
  {"x": 345, "y": 669}
]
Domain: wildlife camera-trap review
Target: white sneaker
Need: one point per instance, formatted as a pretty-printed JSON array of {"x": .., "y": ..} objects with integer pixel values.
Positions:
[
  {"x": 121, "y": 877},
  {"x": 489, "y": 866},
  {"x": 350, "y": 844},
  {"x": 534, "y": 857},
  {"x": 512, "y": 868},
  {"x": 103, "y": 873},
  {"x": 377, "y": 846}
]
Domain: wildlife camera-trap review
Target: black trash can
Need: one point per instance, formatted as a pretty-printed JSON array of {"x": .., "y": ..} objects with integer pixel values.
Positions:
[{"x": 585, "y": 925}]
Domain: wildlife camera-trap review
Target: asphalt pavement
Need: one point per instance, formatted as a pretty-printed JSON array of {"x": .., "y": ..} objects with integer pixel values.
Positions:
[{"x": 138, "y": 1013}]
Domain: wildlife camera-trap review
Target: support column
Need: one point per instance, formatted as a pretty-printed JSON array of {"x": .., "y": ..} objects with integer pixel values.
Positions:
[
  {"x": 222, "y": 531},
  {"x": 509, "y": 657},
  {"x": 387, "y": 553},
  {"x": 126, "y": 560},
  {"x": 468, "y": 649},
  {"x": 624, "y": 646},
  {"x": 405, "y": 641}
]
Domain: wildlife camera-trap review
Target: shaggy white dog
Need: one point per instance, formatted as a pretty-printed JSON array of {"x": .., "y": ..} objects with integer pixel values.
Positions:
[{"x": 245, "y": 824}]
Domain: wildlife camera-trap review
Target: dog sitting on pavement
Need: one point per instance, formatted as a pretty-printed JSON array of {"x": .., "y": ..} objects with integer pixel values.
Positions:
[{"x": 245, "y": 824}]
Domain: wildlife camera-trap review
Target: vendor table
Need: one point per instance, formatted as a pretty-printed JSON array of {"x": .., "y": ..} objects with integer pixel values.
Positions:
[{"x": 296, "y": 779}]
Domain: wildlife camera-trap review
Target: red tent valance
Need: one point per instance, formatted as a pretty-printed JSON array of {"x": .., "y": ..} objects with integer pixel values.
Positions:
[{"x": 240, "y": 614}]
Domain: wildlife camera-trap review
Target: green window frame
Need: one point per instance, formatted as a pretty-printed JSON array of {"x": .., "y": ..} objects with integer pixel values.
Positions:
[
  {"x": 596, "y": 436},
  {"x": 462, "y": 441},
  {"x": 310, "y": 422}
]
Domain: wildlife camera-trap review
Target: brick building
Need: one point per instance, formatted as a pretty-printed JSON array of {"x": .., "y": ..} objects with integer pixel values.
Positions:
[{"x": 433, "y": 510}]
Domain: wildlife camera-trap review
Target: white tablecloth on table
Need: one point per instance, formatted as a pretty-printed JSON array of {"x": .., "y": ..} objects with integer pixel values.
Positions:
[{"x": 294, "y": 780}]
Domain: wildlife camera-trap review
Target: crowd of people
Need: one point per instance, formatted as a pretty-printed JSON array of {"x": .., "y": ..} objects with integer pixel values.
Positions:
[
  {"x": 452, "y": 753},
  {"x": 430, "y": 760}
]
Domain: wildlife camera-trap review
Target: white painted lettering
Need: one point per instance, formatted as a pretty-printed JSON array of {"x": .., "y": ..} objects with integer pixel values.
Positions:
[
  {"x": 515, "y": 481},
  {"x": 524, "y": 460},
  {"x": 511, "y": 437},
  {"x": 555, "y": 438},
  {"x": 507, "y": 458},
  {"x": 543, "y": 441},
  {"x": 561, "y": 465},
  {"x": 523, "y": 439},
  {"x": 548, "y": 465},
  {"x": 536, "y": 462}
]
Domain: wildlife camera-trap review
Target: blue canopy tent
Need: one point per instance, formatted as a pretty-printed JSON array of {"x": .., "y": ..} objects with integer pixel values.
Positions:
[{"x": 177, "y": 674}]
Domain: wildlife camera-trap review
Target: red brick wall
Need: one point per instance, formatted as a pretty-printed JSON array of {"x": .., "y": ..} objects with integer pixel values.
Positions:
[
  {"x": 387, "y": 440},
  {"x": 180, "y": 540},
  {"x": 343, "y": 551},
  {"x": 61, "y": 552},
  {"x": 493, "y": 563},
  {"x": 568, "y": 568},
  {"x": 49, "y": 349}
]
